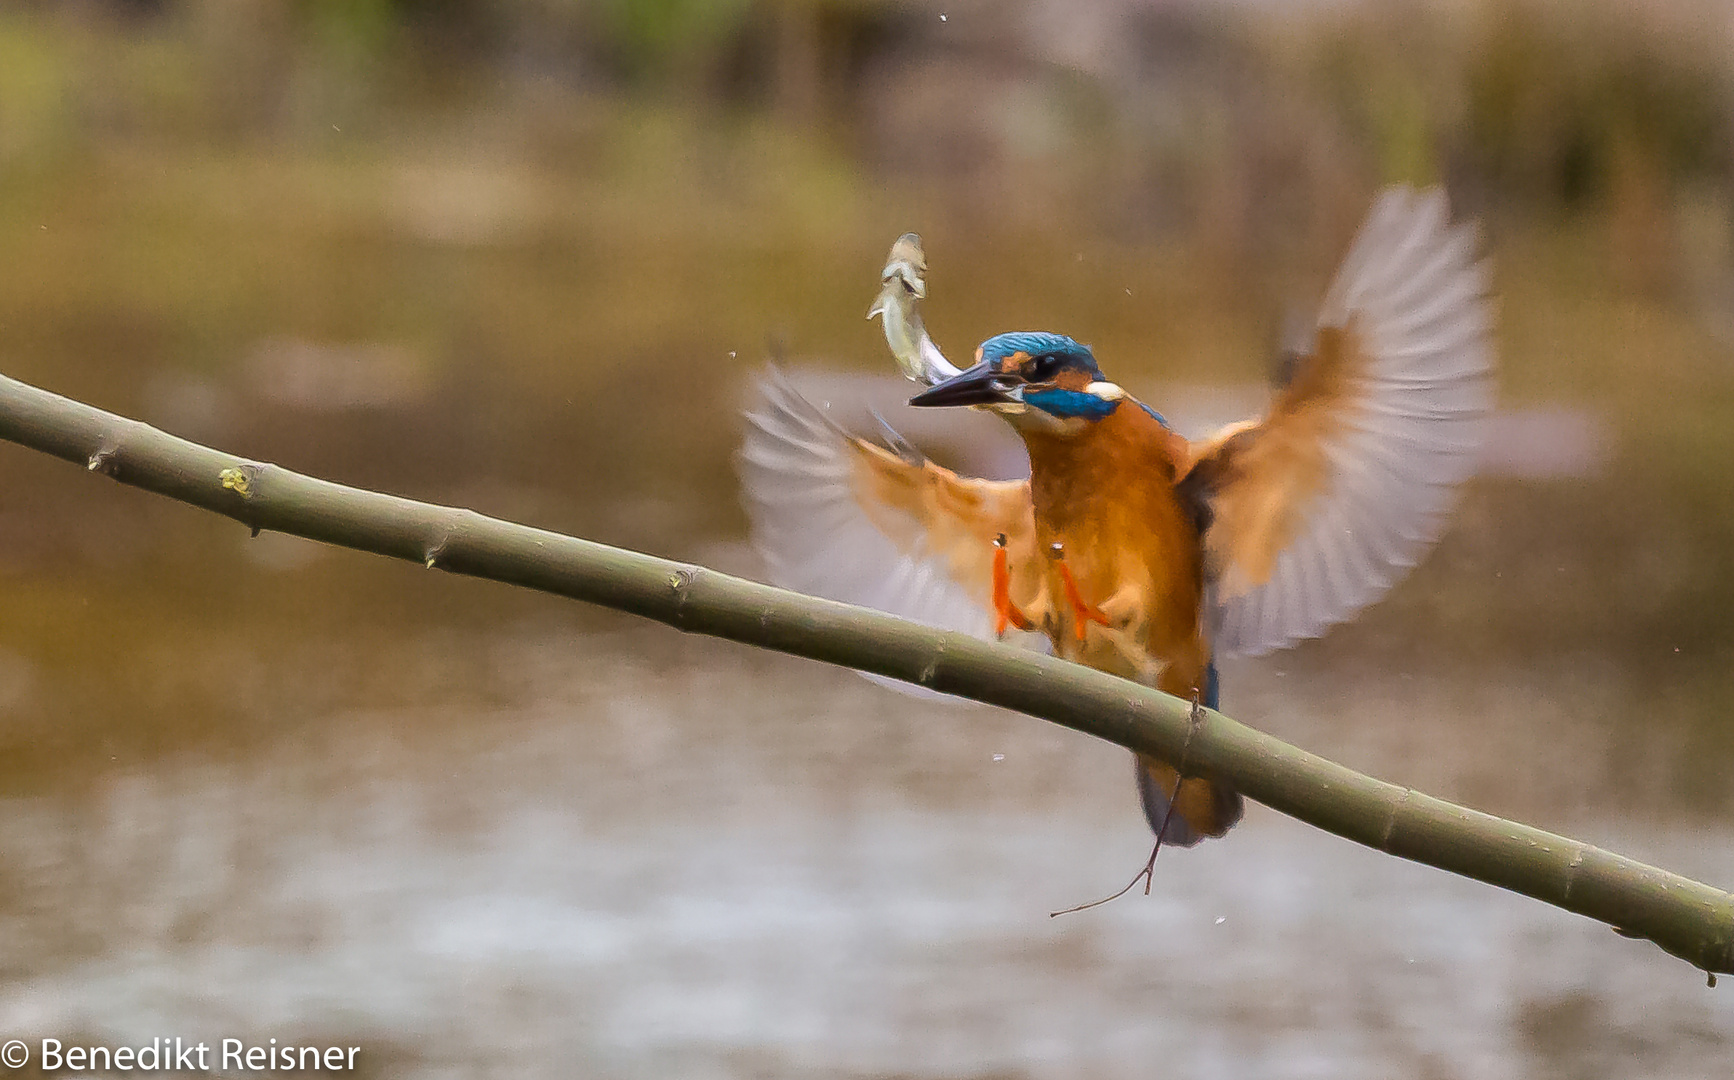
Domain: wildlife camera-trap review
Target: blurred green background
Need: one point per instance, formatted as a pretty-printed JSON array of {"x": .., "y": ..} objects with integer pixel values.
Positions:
[{"x": 526, "y": 256}]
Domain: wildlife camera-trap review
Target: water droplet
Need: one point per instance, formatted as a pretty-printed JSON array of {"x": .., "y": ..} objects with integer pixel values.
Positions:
[
  {"x": 942, "y": 16},
  {"x": 999, "y": 757},
  {"x": 1220, "y": 919}
]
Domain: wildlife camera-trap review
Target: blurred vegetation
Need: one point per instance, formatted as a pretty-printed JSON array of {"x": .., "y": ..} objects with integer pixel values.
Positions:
[
  {"x": 1167, "y": 118},
  {"x": 586, "y": 224}
]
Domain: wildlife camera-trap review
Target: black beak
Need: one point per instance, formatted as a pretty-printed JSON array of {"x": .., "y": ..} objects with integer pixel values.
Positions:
[{"x": 980, "y": 385}]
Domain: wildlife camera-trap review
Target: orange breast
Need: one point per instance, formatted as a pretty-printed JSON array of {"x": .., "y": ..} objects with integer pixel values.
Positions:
[{"x": 1107, "y": 496}]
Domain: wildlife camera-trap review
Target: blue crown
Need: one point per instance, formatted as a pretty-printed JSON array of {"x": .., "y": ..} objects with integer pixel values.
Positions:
[{"x": 1038, "y": 343}]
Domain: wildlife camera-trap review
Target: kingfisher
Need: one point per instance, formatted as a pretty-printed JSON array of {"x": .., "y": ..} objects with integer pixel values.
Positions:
[{"x": 1131, "y": 548}]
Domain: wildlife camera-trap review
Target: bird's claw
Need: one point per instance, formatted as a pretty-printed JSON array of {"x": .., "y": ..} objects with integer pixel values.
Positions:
[
  {"x": 1004, "y": 611},
  {"x": 1083, "y": 614}
]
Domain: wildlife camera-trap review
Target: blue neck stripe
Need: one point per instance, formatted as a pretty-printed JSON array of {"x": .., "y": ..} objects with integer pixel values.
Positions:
[{"x": 1068, "y": 404}]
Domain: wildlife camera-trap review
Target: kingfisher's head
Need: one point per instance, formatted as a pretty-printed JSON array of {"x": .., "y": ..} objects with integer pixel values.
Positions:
[{"x": 1037, "y": 381}]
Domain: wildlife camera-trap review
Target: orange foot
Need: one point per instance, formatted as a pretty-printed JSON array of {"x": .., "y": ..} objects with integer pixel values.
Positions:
[
  {"x": 1004, "y": 611},
  {"x": 1082, "y": 614}
]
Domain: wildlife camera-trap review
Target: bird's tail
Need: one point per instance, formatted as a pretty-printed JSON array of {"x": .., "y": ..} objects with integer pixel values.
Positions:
[{"x": 1200, "y": 807}]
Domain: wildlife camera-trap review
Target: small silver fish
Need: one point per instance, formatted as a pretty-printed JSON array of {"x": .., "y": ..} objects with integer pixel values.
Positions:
[{"x": 899, "y": 308}]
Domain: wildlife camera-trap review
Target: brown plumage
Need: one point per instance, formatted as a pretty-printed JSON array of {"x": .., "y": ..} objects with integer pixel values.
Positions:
[
  {"x": 1132, "y": 550},
  {"x": 1109, "y": 498}
]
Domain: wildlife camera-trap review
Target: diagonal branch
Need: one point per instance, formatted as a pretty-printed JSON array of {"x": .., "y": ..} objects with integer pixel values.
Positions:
[{"x": 1690, "y": 920}]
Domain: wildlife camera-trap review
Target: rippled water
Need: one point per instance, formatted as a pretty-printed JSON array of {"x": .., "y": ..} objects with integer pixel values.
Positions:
[{"x": 649, "y": 856}]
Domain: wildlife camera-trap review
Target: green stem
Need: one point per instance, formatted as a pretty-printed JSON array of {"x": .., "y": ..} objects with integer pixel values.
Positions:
[{"x": 1690, "y": 920}]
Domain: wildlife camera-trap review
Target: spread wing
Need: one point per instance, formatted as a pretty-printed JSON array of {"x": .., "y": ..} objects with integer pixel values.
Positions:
[
  {"x": 1326, "y": 502},
  {"x": 838, "y": 517}
]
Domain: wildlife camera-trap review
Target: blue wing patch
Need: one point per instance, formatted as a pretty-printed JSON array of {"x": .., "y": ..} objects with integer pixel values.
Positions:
[{"x": 1154, "y": 415}]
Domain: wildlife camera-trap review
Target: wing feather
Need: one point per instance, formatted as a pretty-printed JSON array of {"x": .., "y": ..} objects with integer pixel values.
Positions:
[
  {"x": 1324, "y": 504},
  {"x": 838, "y": 517}
]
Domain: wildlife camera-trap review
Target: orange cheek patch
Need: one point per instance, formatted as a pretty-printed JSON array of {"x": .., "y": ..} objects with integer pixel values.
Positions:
[{"x": 1072, "y": 379}]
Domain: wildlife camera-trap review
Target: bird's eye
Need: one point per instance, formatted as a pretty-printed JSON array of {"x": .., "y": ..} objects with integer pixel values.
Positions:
[{"x": 1044, "y": 367}]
